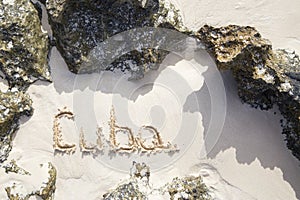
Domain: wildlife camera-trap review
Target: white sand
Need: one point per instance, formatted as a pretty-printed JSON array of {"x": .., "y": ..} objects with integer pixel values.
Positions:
[{"x": 249, "y": 161}]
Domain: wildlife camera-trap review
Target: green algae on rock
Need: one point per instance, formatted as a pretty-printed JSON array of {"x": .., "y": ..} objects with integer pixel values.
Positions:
[
  {"x": 23, "y": 45},
  {"x": 79, "y": 26},
  {"x": 265, "y": 77},
  {"x": 13, "y": 105}
]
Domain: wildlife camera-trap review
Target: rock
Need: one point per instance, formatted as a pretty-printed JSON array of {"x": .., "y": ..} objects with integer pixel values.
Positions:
[
  {"x": 288, "y": 68},
  {"x": 13, "y": 105},
  {"x": 45, "y": 192},
  {"x": 265, "y": 77},
  {"x": 23, "y": 44},
  {"x": 190, "y": 187},
  {"x": 79, "y": 26},
  {"x": 12, "y": 167},
  {"x": 133, "y": 188},
  {"x": 138, "y": 187},
  {"x": 125, "y": 191}
]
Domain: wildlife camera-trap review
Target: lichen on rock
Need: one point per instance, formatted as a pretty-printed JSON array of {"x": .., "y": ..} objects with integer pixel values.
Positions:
[
  {"x": 23, "y": 44},
  {"x": 13, "y": 105},
  {"x": 79, "y": 26},
  {"x": 265, "y": 77}
]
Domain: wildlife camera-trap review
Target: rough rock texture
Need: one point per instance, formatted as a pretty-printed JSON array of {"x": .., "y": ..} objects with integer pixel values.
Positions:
[
  {"x": 191, "y": 188},
  {"x": 265, "y": 77},
  {"x": 46, "y": 191},
  {"x": 288, "y": 66},
  {"x": 13, "y": 105},
  {"x": 12, "y": 167},
  {"x": 79, "y": 26},
  {"x": 138, "y": 187},
  {"x": 23, "y": 44},
  {"x": 125, "y": 191},
  {"x": 134, "y": 188},
  {"x": 188, "y": 188}
]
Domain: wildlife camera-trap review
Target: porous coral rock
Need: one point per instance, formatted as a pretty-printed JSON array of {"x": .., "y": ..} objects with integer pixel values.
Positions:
[
  {"x": 139, "y": 188},
  {"x": 46, "y": 192},
  {"x": 288, "y": 96},
  {"x": 128, "y": 191},
  {"x": 190, "y": 187},
  {"x": 13, "y": 105},
  {"x": 132, "y": 188},
  {"x": 265, "y": 77},
  {"x": 244, "y": 52},
  {"x": 14, "y": 168},
  {"x": 79, "y": 26},
  {"x": 23, "y": 44}
]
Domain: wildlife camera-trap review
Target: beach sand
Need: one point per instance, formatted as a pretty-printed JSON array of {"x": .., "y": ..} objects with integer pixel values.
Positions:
[{"x": 246, "y": 158}]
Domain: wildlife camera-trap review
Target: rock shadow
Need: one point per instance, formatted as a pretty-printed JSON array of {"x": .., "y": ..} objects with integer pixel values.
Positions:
[{"x": 253, "y": 133}]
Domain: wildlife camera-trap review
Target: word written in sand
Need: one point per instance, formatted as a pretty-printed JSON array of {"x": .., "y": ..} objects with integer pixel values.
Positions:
[{"x": 134, "y": 143}]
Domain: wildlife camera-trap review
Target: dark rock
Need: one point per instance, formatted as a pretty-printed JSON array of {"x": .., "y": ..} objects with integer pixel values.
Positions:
[
  {"x": 13, "y": 105},
  {"x": 80, "y": 25},
  {"x": 23, "y": 44},
  {"x": 265, "y": 77},
  {"x": 288, "y": 67}
]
